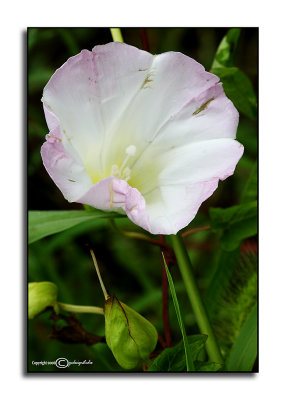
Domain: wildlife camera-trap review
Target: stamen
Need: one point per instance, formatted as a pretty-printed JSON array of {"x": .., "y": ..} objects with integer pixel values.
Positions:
[
  {"x": 115, "y": 171},
  {"x": 124, "y": 172},
  {"x": 130, "y": 151}
]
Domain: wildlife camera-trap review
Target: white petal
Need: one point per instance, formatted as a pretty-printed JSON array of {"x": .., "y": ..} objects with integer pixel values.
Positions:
[
  {"x": 200, "y": 161},
  {"x": 171, "y": 208},
  {"x": 190, "y": 176},
  {"x": 89, "y": 93},
  {"x": 171, "y": 82},
  {"x": 211, "y": 115}
]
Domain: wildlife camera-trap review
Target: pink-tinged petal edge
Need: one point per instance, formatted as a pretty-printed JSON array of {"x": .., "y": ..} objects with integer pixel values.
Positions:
[
  {"x": 67, "y": 173},
  {"x": 112, "y": 194},
  {"x": 51, "y": 119}
]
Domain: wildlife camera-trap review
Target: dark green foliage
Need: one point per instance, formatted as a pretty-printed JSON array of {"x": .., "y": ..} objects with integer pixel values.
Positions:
[
  {"x": 206, "y": 366},
  {"x": 173, "y": 359},
  {"x": 244, "y": 350},
  {"x": 234, "y": 223},
  {"x": 239, "y": 89},
  {"x": 224, "y": 267},
  {"x": 231, "y": 298},
  {"x": 226, "y": 50},
  {"x": 237, "y": 86},
  {"x": 250, "y": 191}
]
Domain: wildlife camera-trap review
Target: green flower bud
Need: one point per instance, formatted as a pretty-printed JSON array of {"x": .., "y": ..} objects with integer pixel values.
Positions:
[
  {"x": 40, "y": 296},
  {"x": 130, "y": 336}
]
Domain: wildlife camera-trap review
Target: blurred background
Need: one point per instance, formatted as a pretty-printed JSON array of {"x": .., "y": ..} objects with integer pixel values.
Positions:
[{"x": 131, "y": 269}]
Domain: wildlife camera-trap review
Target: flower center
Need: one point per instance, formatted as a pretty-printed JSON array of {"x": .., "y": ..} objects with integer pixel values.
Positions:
[{"x": 124, "y": 172}]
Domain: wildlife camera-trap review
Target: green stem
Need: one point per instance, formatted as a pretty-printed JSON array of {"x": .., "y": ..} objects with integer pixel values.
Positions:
[
  {"x": 116, "y": 35},
  {"x": 80, "y": 309},
  {"x": 195, "y": 298}
]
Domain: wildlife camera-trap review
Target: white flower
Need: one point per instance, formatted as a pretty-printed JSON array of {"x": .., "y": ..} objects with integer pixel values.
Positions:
[{"x": 131, "y": 132}]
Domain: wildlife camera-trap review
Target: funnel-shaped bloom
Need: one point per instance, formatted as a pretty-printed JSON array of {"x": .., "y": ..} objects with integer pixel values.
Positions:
[{"x": 147, "y": 135}]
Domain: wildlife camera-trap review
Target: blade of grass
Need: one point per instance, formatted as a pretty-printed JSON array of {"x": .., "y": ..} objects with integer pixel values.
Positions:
[
  {"x": 244, "y": 351},
  {"x": 189, "y": 361}
]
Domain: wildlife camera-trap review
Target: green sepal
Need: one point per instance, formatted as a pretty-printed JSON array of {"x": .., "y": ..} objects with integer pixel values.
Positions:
[
  {"x": 40, "y": 296},
  {"x": 130, "y": 337}
]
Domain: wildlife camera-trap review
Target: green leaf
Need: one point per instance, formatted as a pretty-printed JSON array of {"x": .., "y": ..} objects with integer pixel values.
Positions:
[
  {"x": 250, "y": 191},
  {"x": 236, "y": 84},
  {"x": 232, "y": 295},
  {"x": 207, "y": 366},
  {"x": 226, "y": 49},
  {"x": 239, "y": 89},
  {"x": 247, "y": 135},
  {"x": 236, "y": 224},
  {"x": 244, "y": 351},
  {"x": 173, "y": 359},
  {"x": 45, "y": 223},
  {"x": 189, "y": 361},
  {"x": 226, "y": 263}
]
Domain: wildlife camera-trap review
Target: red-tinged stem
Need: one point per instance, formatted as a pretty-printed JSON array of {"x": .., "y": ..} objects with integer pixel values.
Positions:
[
  {"x": 191, "y": 231},
  {"x": 164, "y": 247},
  {"x": 141, "y": 236},
  {"x": 144, "y": 39},
  {"x": 161, "y": 340}
]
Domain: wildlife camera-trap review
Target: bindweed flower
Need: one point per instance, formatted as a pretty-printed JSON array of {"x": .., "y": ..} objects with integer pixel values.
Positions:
[{"x": 147, "y": 135}]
